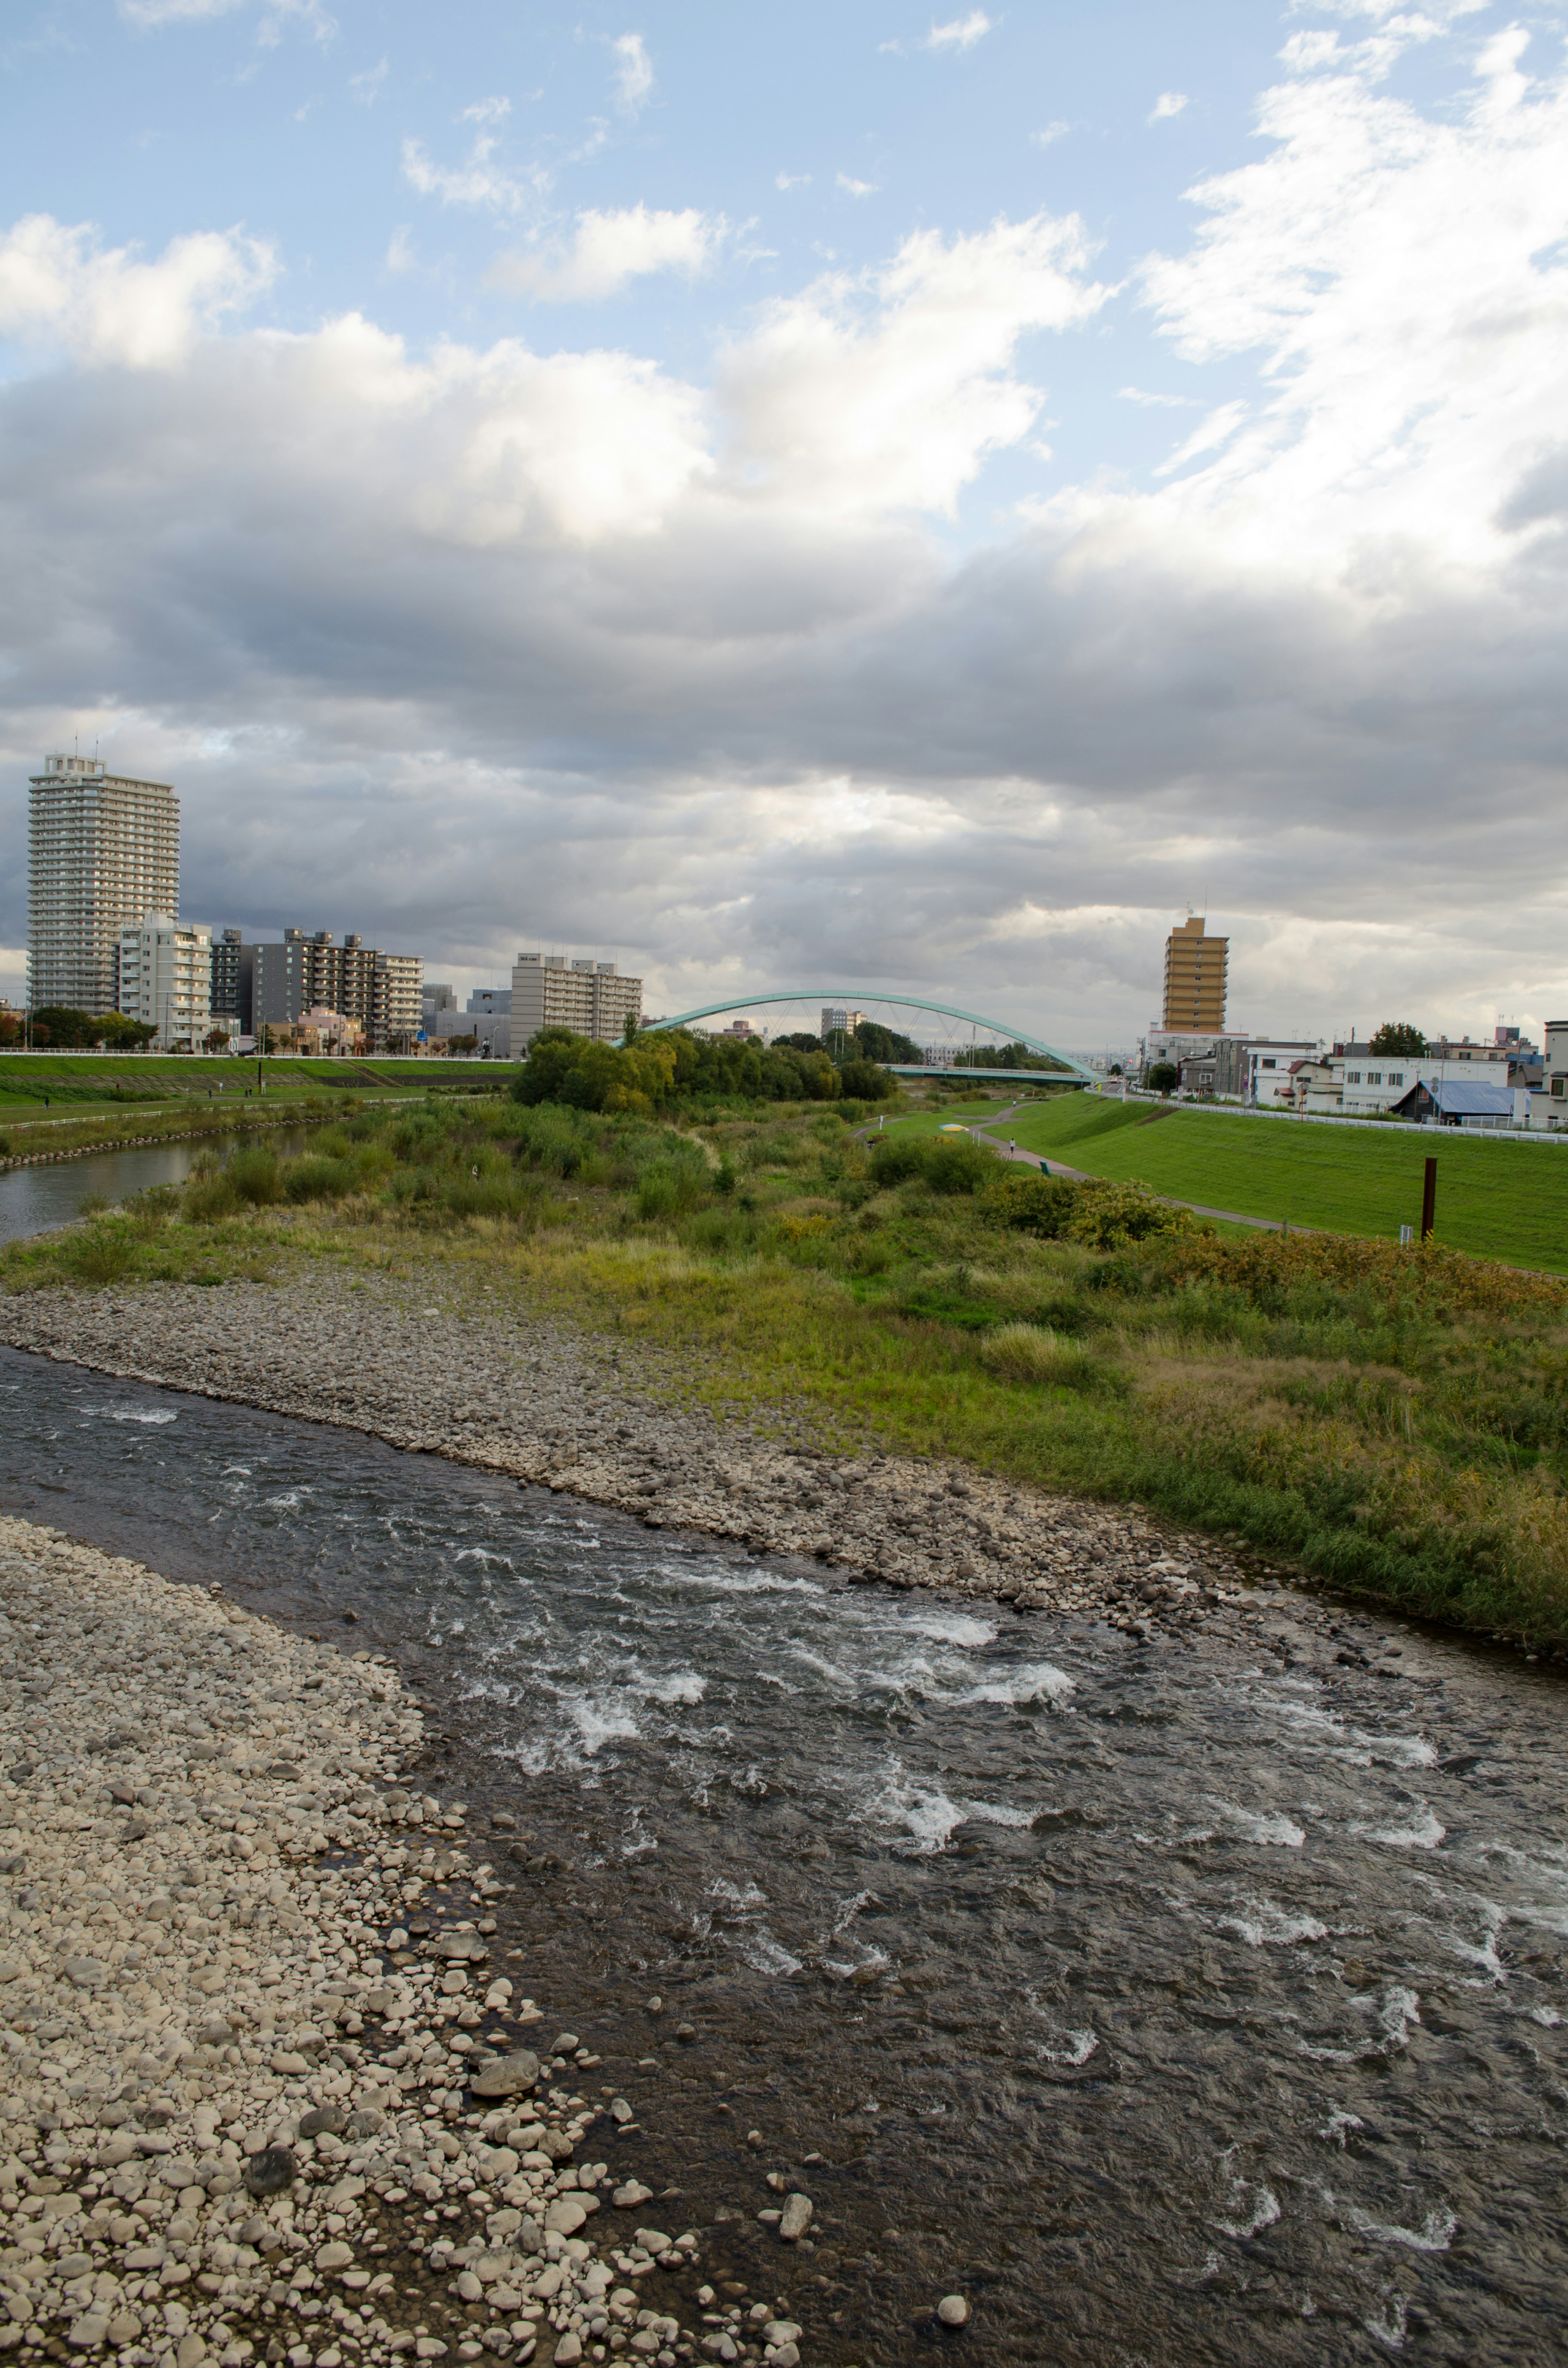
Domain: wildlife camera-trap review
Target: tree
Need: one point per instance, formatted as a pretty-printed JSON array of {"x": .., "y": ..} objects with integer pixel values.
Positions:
[
  {"x": 873, "y": 1041},
  {"x": 865, "y": 1082},
  {"x": 1163, "y": 1077},
  {"x": 798, "y": 1042},
  {"x": 124, "y": 1034},
  {"x": 1399, "y": 1036}
]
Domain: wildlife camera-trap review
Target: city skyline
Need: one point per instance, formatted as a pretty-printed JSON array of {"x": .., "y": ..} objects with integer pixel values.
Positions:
[{"x": 1020, "y": 478}]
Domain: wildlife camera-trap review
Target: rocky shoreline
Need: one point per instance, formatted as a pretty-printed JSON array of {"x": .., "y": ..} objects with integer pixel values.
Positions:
[
  {"x": 452, "y": 1370},
  {"x": 267, "y": 2099}
]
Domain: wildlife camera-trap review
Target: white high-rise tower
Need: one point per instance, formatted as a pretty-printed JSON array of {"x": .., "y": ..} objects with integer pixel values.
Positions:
[{"x": 103, "y": 852}]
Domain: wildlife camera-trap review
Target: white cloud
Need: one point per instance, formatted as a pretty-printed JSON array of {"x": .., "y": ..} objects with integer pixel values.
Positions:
[
  {"x": 1140, "y": 394},
  {"x": 365, "y": 88},
  {"x": 633, "y": 73},
  {"x": 852, "y": 188},
  {"x": 1169, "y": 103},
  {"x": 150, "y": 14},
  {"x": 57, "y": 286},
  {"x": 888, "y": 389},
  {"x": 791, "y": 180},
  {"x": 1049, "y": 135},
  {"x": 400, "y": 256},
  {"x": 568, "y": 643},
  {"x": 1217, "y": 429},
  {"x": 960, "y": 32},
  {"x": 479, "y": 179},
  {"x": 610, "y": 250}
]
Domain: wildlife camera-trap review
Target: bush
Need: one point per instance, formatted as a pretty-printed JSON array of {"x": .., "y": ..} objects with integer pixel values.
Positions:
[
  {"x": 1034, "y": 1202},
  {"x": 1111, "y": 1216},
  {"x": 99, "y": 1259},
  {"x": 896, "y": 1158},
  {"x": 208, "y": 1199},
  {"x": 252, "y": 1175},
  {"x": 670, "y": 1188},
  {"x": 1032, "y": 1352},
  {"x": 315, "y": 1178},
  {"x": 954, "y": 1164}
]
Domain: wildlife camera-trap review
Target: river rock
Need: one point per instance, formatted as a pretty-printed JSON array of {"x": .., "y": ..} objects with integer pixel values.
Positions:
[
  {"x": 796, "y": 2217},
  {"x": 508, "y": 2075},
  {"x": 269, "y": 2172},
  {"x": 953, "y": 2310}
]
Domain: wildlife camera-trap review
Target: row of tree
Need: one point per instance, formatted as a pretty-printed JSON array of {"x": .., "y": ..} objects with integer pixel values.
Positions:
[
  {"x": 649, "y": 1072},
  {"x": 56, "y": 1026}
]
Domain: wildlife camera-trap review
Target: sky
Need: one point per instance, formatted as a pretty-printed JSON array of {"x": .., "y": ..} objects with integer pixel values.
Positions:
[{"x": 855, "y": 496}]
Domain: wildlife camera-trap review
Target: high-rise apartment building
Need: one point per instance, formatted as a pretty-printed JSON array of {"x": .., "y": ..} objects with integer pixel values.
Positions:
[
  {"x": 554, "y": 991},
  {"x": 234, "y": 981},
  {"x": 165, "y": 979},
  {"x": 1194, "y": 980},
  {"x": 381, "y": 993},
  {"x": 103, "y": 852},
  {"x": 837, "y": 1020}
]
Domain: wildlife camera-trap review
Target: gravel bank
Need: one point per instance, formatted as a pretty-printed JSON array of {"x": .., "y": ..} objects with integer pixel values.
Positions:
[
  {"x": 244, "y": 2116},
  {"x": 469, "y": 1379}
]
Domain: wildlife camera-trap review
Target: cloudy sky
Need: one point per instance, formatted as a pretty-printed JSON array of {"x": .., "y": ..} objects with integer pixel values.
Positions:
[{"x": 834, "y": 495}]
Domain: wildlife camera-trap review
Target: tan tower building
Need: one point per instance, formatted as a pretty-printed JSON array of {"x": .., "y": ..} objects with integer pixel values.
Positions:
[
  {"x": 103, "y": 852},
  {"x": 1194, "y": 980}
]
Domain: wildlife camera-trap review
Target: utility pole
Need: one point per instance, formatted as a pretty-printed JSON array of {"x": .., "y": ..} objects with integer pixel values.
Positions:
[{"x": 1429, "y": 1200}]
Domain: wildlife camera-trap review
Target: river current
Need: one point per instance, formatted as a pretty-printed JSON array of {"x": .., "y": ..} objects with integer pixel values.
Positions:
[{"x": 1179, "y": 2002}]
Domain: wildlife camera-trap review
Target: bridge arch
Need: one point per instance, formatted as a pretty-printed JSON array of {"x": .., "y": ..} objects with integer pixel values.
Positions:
[{"x": 852, "y": 997}]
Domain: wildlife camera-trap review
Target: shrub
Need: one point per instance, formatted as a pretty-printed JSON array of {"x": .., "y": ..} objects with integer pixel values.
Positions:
[
  {"x": 670, "y": 1188},
  {"x": 208, "y": 1198},
  {"x": 315, "y": 1178},
  {"x": 954, "y": 1164},
  {"x": 897, "y": 1158},
  {"x": 99, "y": 1259},
  {"x": 252, "y": 1175},
  {"x": 1111, "y": 1216},
  {"x": 1035, "y": 1203},
  {"x": 1032, "y": 1352}
]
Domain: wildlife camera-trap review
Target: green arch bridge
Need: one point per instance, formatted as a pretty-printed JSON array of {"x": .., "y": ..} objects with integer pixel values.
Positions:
[{"x": 852, "y": 999}]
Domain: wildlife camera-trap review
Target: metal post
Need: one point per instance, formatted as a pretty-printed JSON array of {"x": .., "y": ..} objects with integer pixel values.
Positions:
[{"x": 1429, "y": 1200}]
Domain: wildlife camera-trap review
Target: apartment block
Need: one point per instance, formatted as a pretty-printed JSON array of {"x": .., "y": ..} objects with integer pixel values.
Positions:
[
  {"x": 165, "y": 980},
  {"x": 839, "y": 1021},
  {"x": 1196, "y": 967},
  {"x": 103, "y": 852},
  {"x": 558, "y": 991},
  {"x": 234, "y": 982},
  {"x": 381, "y": 993}
]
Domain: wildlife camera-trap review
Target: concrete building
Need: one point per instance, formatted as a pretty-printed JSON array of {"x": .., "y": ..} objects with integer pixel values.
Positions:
[
  {"x": 103, "y": 853},
  {"x": 556, "y": 991},
  {"x": 1269, "y": 1067},
  {"x": 1195, "y": 968},
  {"x": 1373, "y": 1082},
  {"x": 165, "y": 980},
  {"x": 234, "y": 982},
  {"x": 378, "y": 992},
  {"x": 837, "y": 1020},
  {"x": 433, "y": 999}
]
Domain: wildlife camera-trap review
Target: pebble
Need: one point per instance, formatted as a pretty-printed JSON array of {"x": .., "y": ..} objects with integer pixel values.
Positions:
[
  {"x": 235, "y": 2116},
  {"x": 489, "y": 1384},
  {"x": 953, "y": 2310}
]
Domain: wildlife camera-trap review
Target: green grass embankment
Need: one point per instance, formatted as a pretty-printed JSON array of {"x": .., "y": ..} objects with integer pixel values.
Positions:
[{"x": 1495, "y": 1199}]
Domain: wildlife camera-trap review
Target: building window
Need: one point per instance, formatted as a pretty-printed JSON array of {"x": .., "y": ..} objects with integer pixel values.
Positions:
[
  {"x": 1374, "y": 1076},
  {"x": 1270, "y": 1064},
  {"x": 1353, "y": 1077},
  {"x": 1396, "y": 1077}
]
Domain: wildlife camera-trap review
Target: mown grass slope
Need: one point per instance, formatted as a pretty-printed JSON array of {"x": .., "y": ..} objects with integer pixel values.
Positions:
[{"x": 1498, "y": 1199}]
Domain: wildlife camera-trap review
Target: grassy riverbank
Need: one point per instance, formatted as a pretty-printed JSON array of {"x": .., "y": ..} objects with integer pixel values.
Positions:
[
  {"x": 1395, "y": 1421},
  {"x": 1495, "y": 1199}
]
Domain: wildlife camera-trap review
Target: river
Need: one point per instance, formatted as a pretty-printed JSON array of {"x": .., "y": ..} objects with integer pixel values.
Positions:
[
  {"x": 1177, "y": 2002},
  {"x": 34, "y": 1200}
]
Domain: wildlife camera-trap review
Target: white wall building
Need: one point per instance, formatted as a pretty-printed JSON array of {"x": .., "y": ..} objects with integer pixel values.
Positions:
[
  {"x": 555, "y": 991},
  {"x": 165, "y": 980},
  {"x": 1266, "y": 1064},
  {"x": 103, "y": 851},
  {"x": 1375, "y": 1081}
]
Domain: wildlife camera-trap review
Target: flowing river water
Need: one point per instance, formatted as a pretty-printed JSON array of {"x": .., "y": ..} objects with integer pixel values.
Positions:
[{"x": 1177, "y": 2002}]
